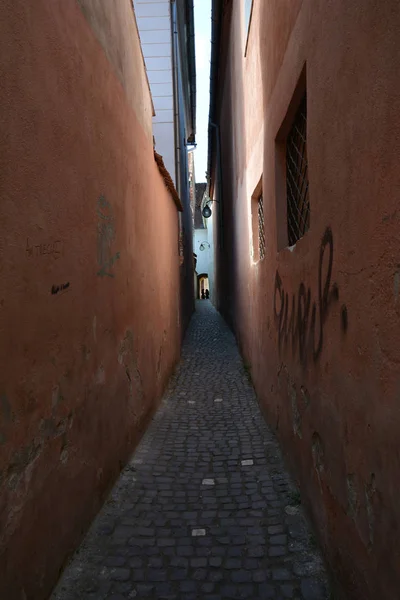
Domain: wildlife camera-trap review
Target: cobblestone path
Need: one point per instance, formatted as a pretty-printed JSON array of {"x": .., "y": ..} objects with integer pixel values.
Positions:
[{"x": 205, "y": 508}]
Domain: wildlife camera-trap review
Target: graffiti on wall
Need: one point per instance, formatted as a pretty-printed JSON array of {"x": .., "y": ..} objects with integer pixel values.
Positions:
[
  {"x": 54, "y": 249},
  {"x": 301, "y": 319},
  {"x": 105, "y": 238},
  {"x": 57, "y": 289}
]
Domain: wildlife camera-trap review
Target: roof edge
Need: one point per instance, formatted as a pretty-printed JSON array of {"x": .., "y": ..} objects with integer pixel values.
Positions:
[
  {"x": 216, "y": 26},
  {"x": 192, "y": 67},
  {"x": 169, "y": 184}
]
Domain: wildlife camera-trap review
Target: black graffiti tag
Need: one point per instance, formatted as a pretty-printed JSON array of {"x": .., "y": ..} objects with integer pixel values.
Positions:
[{"x": 302, "y": 324}]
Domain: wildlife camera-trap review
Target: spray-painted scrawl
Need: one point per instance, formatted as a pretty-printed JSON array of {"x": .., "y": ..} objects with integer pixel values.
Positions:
[
  {"x": 300, "y": 320},
  {"x": 105, "y": 238}
]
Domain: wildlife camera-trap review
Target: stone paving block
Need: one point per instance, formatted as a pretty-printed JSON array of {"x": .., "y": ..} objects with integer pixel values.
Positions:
[{"x": 212, "y": 467}]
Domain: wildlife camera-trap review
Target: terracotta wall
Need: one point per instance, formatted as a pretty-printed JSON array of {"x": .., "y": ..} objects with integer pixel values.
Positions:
[
  {"x": 330, "y": 386},
  {"x": 89, "y": 275}
]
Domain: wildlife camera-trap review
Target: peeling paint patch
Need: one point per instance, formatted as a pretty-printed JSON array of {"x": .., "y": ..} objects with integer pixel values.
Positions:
[
  {"x": 396, "y": 286},
  {"x": 295, "y": 411},
  {"x": 317, "y": 453},
  {"x": 353, "y": 505},
  {"x": 370, "y": 489},
  {"x": 94, "y": 328},
  {"x": 160, "y": 353},
  {"x": 64, "y": 456},
  {"x": 305, "y": 396},
  {"x": 55, "y": 396},
  {"x": 127, "y": 357},
  {"x": 105, "y": 238},
  {"x": 100, "y": 376},
  {"x": 86, "y": 352},
  {"x": 5, "y": 408}
]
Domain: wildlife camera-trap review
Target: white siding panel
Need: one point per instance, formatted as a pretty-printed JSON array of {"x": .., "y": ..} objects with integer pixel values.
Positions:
[
  {"x": 156, "y": 50},
  {"x": 158, "y": 64},
  {"x": 156, "y": 37},
  {"x": 164, "y": 116},
  {"x": 152, "y": 9},
  {"x": 161, "y": 89},
  {"x": 160, "y": 77},
  {"x": 165, "y": 141},
  {"x": 154, "y": 23},
  {"x": 163, "y": 103}
]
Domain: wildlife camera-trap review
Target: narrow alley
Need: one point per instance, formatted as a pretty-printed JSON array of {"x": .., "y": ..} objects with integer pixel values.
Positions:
[{"x": 205, "y": 508}]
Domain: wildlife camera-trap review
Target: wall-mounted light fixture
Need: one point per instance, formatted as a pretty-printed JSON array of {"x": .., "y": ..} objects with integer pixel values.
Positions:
[
  {"x": 204, "y": 246},
  {"x": 207, "y": 212}
]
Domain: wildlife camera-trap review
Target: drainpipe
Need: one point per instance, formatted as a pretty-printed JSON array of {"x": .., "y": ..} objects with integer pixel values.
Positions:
[
  {"x": 219, "y": 175},
  {"x": 191, "y": 67},
  {"x": 176, "y": 98}
]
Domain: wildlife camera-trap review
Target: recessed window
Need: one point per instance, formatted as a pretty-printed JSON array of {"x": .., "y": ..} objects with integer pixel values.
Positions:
[
  {"x": 261, "y": 231},
  {"x": 298, "y": 201},
  {"x": 258, "y": 229},
  {"x": 291, "y": 169}
]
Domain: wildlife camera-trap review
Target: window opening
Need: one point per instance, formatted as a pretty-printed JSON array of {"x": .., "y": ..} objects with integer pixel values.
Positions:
[
  {"x": 298, "y": 202},
  {"x": 261, "y": 231},
  {"x": 257, "y": 223}
]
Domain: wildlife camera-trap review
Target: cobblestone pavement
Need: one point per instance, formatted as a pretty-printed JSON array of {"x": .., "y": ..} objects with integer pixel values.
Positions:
[{"x": 205, "y": 508}]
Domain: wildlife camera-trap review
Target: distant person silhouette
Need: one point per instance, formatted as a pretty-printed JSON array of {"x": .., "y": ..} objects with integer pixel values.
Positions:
[
  {"x": 207, "y": 295},
  {"x": 203, "y": 297}
]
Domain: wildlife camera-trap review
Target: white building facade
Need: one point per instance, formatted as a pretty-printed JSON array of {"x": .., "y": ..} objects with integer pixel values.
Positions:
[
  {"x": 166, "y": 29},
  {"x": 203, "y": 245}
]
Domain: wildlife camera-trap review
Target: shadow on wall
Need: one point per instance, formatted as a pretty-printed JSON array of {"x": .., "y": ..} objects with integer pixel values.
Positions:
[{"x": 232, "y": 135}]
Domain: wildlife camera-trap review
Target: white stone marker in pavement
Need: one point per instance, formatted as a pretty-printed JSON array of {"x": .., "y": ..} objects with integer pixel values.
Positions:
[{"x": 198, "y": 532}]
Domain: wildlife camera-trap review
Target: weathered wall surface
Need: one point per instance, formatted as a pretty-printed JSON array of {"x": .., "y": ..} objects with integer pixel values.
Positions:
[
  {"x": 89, "y": 305},
  {"x": 320, "y": 324}
]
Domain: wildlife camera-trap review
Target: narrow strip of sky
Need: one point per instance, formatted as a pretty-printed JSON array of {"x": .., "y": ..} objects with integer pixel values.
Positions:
[{"x": 202, "y": 16}]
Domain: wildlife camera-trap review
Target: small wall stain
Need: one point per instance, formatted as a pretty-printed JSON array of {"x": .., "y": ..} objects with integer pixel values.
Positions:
[
  {"x": 105, "y": 237},
  {"x": 344, "y": 318},
  {"x": 370, "y": 489},
  {"x": 5, "y": 408},
  {"x": 56, "y": 396},
  {"x": 64, "y": 456},
  {"x": 160, "y": 354},
  {"x": 317, "y": 452},
  {"x": 94, "y": 328},
  {"x": 127, "y": 357},
  {"x": 396, "y": 286},
  {"x": 295, "y": 411},
  {"x": 100, "y": 376},
  {"x": 305, "y": 396},
  {"x": 353, "y": 505}
]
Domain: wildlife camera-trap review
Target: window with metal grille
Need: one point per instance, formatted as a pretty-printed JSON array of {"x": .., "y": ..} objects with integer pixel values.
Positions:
[
  {"x": 257, "y": 223},
  {"x": 298, "y": 202},
  {"x": 261, "y": 231}
]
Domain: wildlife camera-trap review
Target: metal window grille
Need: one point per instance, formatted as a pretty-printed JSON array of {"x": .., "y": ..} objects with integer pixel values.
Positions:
[
  {"x": 298, "y": 202},
  {"x": 261, "y": 232}
]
